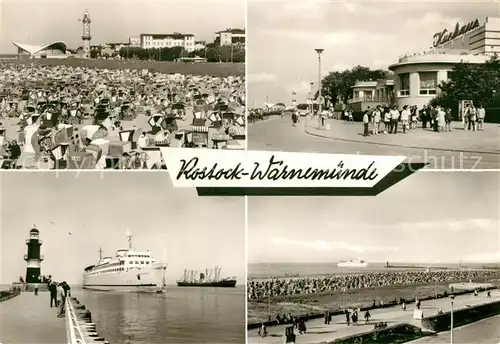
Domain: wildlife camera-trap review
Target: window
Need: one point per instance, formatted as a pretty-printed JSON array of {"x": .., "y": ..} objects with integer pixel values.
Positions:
[
  {"x": 428, "y": 83},
  {"x": 404, "y": 85}
]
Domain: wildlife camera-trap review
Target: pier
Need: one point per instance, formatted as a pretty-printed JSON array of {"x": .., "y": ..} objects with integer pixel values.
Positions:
[
  {"x": 319, "y": 332},
  {"x": 28, "y": 318}
]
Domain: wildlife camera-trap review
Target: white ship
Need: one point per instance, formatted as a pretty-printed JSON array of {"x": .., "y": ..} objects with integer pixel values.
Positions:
[
  {"x": 356, "y": 263},
  {"x": 129, "y": 270}
]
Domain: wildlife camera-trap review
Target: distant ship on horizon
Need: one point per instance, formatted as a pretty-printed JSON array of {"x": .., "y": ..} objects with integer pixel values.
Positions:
[
  {"x": 353, "y": 263},
  {"x": 191, "y": 278}
]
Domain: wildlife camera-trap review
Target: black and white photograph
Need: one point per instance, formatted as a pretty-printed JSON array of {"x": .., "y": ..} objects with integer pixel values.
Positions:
[
  {"x": 103, "y": 85},
  {"x": 419, "y": 79},
  {"x": 118, "y": 257},
  {"x": 417, "y": 264}
]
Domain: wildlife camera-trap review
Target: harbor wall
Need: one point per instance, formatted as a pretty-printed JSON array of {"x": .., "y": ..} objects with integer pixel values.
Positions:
[
  {"x": 212, "y": 69},
  {"x": 442, "y": 322},
  {"x": 394, "y": 334},
  {"x": 83, "y": 319},
  {"x": 311, "y": 316},
  {"x": 9, "y": 294}
]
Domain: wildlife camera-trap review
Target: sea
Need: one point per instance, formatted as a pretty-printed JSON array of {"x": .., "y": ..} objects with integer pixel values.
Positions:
[
  {"x": 179, "y": 315},
  {"x": 272, "y": 270}
]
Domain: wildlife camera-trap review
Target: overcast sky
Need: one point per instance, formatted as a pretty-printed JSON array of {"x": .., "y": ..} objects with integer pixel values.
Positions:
[
  {"x": 282, "y": 36},
  {"x": 175, "y": 224},
  {"x": 40, "y": 22},
  {"x": 428, "y": 217}
]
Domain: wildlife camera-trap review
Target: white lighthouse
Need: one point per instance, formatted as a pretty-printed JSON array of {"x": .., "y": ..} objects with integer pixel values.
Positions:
[
  {"x": 86, "y": 37},
  {"x": 33, "y": 258}
]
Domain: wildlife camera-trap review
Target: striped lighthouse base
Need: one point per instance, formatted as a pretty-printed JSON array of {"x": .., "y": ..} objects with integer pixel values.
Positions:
[{"x": 32, "y": 275}]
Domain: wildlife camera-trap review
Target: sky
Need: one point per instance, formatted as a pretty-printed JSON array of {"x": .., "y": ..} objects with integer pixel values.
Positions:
[
  {"x": 282, "y": 36},
  {"x": 113, "y": 20},
  {"x": 176, "y": 225},
  {"x": 429, "y": 217}
]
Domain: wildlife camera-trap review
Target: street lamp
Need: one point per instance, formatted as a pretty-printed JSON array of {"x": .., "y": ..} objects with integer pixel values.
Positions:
[
  {"x": 451, "y": 319},
  {"x": 319, "y": 51},
  {"x": 311, "y": 106}
]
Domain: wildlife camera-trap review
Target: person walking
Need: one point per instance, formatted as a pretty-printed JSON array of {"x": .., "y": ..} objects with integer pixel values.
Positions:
[
  {"x": 61, "y": 301},
  {"x": 367, "y": 316},
  {"x": 447, "y": 120},
  {"x": 36, "y": 289},
  {"x": 302, "y": 326},
  {"x": 376, "y": 117},
  {"x": 472, "y": 118},
  {"x": 394, "y": 113},
  {"x": 294, "y": 118},
  {"x": 366, "y": 122},
  {"x": 481, "y": 114},
  {"x": 53, "y": 294},
  {"x": 405, "y": 118},
  {"x": 347, "y": 317},
  {"x": 441, "y": 119}
]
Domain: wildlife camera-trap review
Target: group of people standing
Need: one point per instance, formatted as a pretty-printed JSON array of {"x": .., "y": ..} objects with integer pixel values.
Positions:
[{"x": 388, "y": 120}]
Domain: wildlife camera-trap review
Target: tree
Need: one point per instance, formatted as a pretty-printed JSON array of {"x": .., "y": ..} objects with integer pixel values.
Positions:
[
  {"x": 339, "y": 84},
  {"x": 477, "y": 82}
]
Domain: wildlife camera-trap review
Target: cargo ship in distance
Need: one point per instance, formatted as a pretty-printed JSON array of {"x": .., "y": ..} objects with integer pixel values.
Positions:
[
  {"x": 356, "y": 263},
  {"x": 205, "y": 279},
  {"x": 129, "y": 270}
]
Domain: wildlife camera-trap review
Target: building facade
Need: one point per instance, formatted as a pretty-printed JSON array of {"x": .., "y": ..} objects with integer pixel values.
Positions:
[
  {"x": 371, "y": 94},
  {"x": 231, "y": 37},
  {"x": 417, "y": 76},
  {"x": 134, "y": 42},
  {"x": 54, "y": 50},
  {"x": 156, "y": 41}
]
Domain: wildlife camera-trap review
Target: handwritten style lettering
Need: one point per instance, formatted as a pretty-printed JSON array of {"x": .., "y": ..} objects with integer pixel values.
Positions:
[
  {"x": 278, "y": 170},
  {"x": 446, "y": 36},
  {"x": 190, "y": 170}
]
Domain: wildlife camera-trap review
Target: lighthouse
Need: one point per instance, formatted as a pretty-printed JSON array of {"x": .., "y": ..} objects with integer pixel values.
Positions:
[
  {"x": 86, "y": 37},
  {"x": 33, "y": 258}
]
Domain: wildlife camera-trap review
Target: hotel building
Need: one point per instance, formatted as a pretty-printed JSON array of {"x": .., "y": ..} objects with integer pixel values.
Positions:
[
  {"x": 155, "y": 41},
  {"x": 231, "y": 37},
  {"x": 417, "y": 76}
]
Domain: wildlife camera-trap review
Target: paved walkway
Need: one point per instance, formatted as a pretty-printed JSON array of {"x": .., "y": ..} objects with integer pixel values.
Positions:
[
  {"x": 318, "y": 332},
  {"x": 485, "y": 141},
  {"x": 278, "y": 134},
  {"x": 28, "y": 319},
  {"x": 486, "y": 331}
]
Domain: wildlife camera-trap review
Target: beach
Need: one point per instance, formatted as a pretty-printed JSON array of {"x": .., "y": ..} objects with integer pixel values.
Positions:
[{"x": 333, "y": 288}]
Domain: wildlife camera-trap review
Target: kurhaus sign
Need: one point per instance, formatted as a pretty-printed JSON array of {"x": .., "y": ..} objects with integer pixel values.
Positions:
[{"x": 446, "y": 36}]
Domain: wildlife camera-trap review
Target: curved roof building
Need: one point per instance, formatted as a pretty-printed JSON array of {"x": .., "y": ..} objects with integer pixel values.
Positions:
[
  {"x": 52, "y": 50},
  {"x": 417, "y": 76}
]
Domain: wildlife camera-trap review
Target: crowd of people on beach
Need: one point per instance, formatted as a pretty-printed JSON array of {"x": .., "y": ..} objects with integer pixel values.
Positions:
[
  {"x": 262, "y": 290},
  {"x": 60, "y": 115}
]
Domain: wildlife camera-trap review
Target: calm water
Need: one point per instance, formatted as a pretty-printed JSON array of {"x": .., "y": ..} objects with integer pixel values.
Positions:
[
  {"x": 264, "y": 270},
  {"x": 180, "y": 315}
]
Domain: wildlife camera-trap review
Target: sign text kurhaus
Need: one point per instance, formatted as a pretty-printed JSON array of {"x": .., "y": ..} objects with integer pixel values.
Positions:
[{"x": 446, "y": 36}]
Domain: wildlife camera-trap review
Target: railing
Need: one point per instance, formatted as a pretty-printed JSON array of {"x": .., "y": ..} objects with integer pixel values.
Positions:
[{"x": 73, "y": 331}]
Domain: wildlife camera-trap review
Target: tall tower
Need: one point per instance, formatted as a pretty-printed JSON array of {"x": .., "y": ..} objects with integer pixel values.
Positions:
[
  {"x": 33, "y": 258},
  {"x": 86, "y": 37}
]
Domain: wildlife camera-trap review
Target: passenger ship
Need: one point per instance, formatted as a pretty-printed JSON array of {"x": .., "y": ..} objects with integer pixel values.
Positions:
[{"x": 130, "y": 270}]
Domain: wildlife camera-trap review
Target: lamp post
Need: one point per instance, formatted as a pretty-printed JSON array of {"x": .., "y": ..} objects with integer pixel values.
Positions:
[
  {"x": 451, "y": 319},
  {"x": 319, "y": 51},
  {"x": 311, "y": 106}
]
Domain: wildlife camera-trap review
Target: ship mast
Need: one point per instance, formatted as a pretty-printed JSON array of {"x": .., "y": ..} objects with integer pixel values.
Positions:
[
  {"x": 129, "y": 237},
  {"x": 100, "y": 253}
]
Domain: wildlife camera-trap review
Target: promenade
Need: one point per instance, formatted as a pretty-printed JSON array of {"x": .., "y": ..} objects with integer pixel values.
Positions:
[
  {"x": 28, "y": 319},
  {"x": 318, "y": 332},
  {"x": 458, "y": 149}
]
